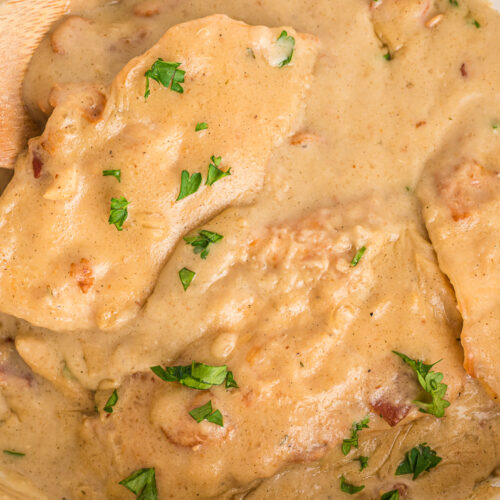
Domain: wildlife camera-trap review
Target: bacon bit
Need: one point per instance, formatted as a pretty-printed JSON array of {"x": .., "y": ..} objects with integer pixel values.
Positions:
[
  {"x": 419, "y": 124},
  {"x": 391, "y": 413},
  {"x": 434, "y": 21},
  {"x": 37, "y": 166},
  {"x": 463, "y": 70},
  {"x": 83, "y": 274},
  {"x": 147, "y": 9},
  {"x": 303, "y": 139}
]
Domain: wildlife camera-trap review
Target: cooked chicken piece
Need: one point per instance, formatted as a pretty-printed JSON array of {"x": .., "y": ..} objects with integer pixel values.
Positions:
[
  {"x": 394, "y": 21},
  {"x": 305, "y": 365},
  {"x": 460, "y": 205},
  {"x": 54, "y": 213}
]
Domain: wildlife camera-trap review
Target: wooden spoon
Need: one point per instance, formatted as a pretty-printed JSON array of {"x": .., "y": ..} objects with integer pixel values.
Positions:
[{"x": 22, "y": 25}]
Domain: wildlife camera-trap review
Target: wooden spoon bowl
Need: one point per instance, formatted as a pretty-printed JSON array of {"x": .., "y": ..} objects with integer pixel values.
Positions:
[{"x": 22, "y": 25}]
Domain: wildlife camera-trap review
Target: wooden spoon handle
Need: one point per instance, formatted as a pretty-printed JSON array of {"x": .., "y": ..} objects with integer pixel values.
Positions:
[{"x": 22, "y": 25}]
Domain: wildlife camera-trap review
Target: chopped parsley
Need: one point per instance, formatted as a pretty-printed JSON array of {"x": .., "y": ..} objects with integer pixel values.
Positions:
[
  {"x": 454, "y": 3},
  {"x": 286, "y": 42},
  {"x": 201, "y": 242},
  {"x": 14, "y": 453},
  {"x": 186, "y": 276},
  {"x": 206, "y": 412},
  {"x": 387, "y": 56},
  {"x": 142, "y": 483},
  {"x": 363, "y": 462},
  {"x": 196, "y": 375},
  {"x": 419, "y": 459},
  {"x": 347, "y": 444},
  {"x": 118, "y": 212},
  {"x": 167, "y": 74},
  {"x": 201, "y": 126},
  {"x": 494, "y": 126},
  {"x": 390, "y": 495},
  {"x": 189, "y": 184},
  {"x": 214, "y": 172},
  {"x": 115, "y": 173},
  {"x": 349, "y": 488},
  {"x": 357, "y": 257},
  {"x": 250, "y": 52},
  {"x": 476, "y": 23},
  {"x": 112, "y": 400},
  {"x": 230, "y": 382},
  {"x": 431, "y": 383}
]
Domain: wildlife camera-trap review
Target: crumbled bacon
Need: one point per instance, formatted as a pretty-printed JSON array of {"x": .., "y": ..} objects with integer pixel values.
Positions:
[
  {"x": 392, "y": 413},
  {"x": 37, "y": 166},
  {"x": 83, "y": 274}
]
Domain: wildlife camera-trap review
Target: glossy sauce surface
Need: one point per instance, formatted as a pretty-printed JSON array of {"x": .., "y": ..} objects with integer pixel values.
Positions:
[{"x": 402, "y": 96}]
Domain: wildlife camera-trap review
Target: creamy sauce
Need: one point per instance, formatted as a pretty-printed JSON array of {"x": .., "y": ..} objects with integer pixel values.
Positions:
[{"x": 308, "y": 336}]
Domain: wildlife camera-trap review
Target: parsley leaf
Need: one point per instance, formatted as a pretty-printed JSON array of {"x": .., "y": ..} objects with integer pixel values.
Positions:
[
  {"x": 186, "y": 276},
  {"x": 202, "y": 241},
  {"x": 454, "y": 3},
  {"x": 347, "y": 444},
  {"x": 118, "y": 212},
  {"x": 196, "y": 375},
  {"x": 142, "y": 483},
  {"x": 418, "y": 460},
  {"x": 357, "y": 257},
  {"x": 115, "y": 173},
  {"x": 14, "y": 453},
  {"x": 200, "y": 126},
  {"x": 349, "y": 488},
  {"x": 390, "y": 495},
  {"x": 363, "y": 462},
  {"x": 189, "y": 184},
  {"x": 205, "y": 412},
  {"x": 287, "y": 43},
  {"x": 113, "y": 399},
  {"x": 214, "y": 172},
  {"x": 167, "y": 74},
  {"x": 431, "y": 383},
  {"x": 230, "y": 382}
]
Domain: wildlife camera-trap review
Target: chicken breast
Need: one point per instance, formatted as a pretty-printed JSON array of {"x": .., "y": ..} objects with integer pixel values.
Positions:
[
  {"x": 310, "y": 348},
  {"x": 63, "y": 265},
  {"x": 460, "y": 204}
]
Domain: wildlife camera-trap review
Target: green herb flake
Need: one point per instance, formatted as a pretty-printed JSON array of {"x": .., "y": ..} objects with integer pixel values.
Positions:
[
  {"x": 363, "y": 462},
  {"x": 357, "y": 257},
  {"x": 201, "y": 242},
  {"x": 286, "y": 42},
  {"x": 420, "y": 459},
  {"x": 118, "y": 212},
  {"x": 117, "y": 174},
  {"x": 454, "y": 3},
  {"x": 351, "y": 442},
  {"x": 186, "y": 276},
  {"x": 142, "y": 483},
  {"x": 349, "y": 488},
  {"x": 390, "y": 495},
  {"x": 476, "y": 23},
  {"x": 167, "y": 74},
  {"x": 201, "y": 126},
  {"x": 230, "y": 382},
  {"x": 387, "y": 56},
  {"x": 13, "y": 453},
  {"x": 189, "y": 184},
  {"x": 196, "y": 375},
  {"x": 431, "y": 383},
  {"x": 205, "y": 412},
  {"x": 250, "y": 52},
  {"x": 214, "y": 172},
  {"x": 494, "y": 126},
  {"x": 113, "y": 399}
]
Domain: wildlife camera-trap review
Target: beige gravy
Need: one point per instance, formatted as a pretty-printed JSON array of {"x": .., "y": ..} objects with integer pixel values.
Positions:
[{"x": 355, "y": 147}]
